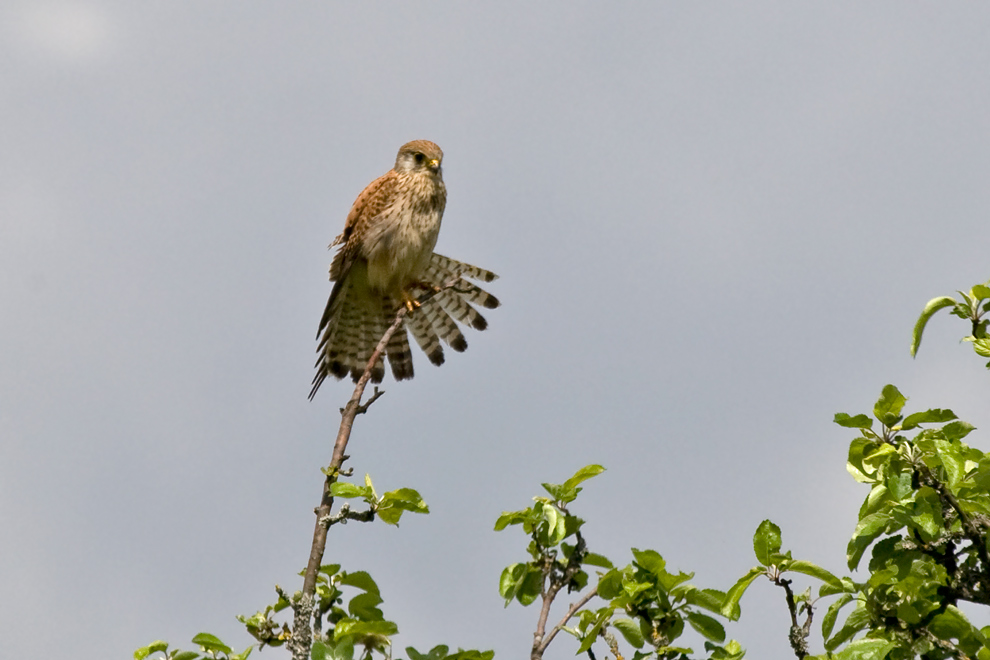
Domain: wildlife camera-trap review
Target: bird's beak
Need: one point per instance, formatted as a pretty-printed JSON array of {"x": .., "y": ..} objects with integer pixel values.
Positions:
[{"x": 435, "y": 164}]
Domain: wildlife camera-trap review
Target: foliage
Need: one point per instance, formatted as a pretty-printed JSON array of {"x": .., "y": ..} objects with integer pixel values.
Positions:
[
  {"x": 924, "y": 522},
  {"x": 389, "y": 507},
  {"x": 644, "y": 603},
  {"x": 972, "y": 306},
  {"x": 923, "y": 527},
  {"x": 209, "y": 647}
]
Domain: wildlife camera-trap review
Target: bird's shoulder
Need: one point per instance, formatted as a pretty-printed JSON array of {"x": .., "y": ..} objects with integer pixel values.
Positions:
[{"x": 375, "y": 198}]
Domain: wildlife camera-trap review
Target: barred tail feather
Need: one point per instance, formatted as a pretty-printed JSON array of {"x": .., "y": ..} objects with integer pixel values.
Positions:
[
  {"x": 460, "y": 310},
  {"x": 444, "y": 325},
  {"x": 424, "y": 334},
  {"x": 375, "y": 325},
  {"x": 356, "y": 318},
  {"x": 397, "y": 349},
  {"x": 455, "y": 267}
]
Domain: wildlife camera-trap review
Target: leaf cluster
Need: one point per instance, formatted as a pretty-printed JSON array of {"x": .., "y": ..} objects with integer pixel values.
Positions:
[
  {"x": 210, "y": 648},
  {"x": 924, "y": 524},
  {"x": 346, "y": 628},
  {"x": 549, "y": 524},
  {"x": 645, "y": 606},
  {"x": 388, "y": 508},
  {"x": 926, "y": 518},
  {"x": 649, "y": 607},
  {"x": 972, "y": 306}
]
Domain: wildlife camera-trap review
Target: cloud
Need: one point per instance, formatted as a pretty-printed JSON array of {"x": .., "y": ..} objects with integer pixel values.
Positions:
[{"x": 68, "y": 33}]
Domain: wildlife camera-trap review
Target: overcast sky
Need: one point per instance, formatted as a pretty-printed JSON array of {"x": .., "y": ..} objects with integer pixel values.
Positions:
[{"x": 715, "y": 225}]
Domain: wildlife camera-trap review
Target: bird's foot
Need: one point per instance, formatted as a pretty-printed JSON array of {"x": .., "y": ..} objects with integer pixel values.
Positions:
[{"x": 410, "y": 302}]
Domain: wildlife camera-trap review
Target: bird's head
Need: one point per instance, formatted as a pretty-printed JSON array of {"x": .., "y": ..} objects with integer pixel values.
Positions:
[{"x": 420, "y": 156}]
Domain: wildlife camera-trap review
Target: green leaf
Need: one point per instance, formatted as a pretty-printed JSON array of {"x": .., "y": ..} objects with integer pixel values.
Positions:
[
  {"x": 982, "y": 347},
  {"x": 857, "y": 422},
  {"x": 438, "y": 652},
  {"x": 472, "y": 655},
  {"x": 952, "y": 624},
  {"x": 766, "y": 542},
  {"x": 394, "y": 503},
  {"x": 550, "y": 516},
  {"x": 630, "y": 630},
  {"x": 342, "y": 649},
  {"x": 952, "y": 460},
  {"x": 933, "y": 416},
  {"x": 513, "y": 518},
  {"x": 582, "y": 475},
  {"x": 560, "y": 532},
  {"x": 867, "y": 530},
  {"x": 347, "y": 490},
  {"x": 707, "y": 626},
  {"x": 319, "y": 651},
  {"x": 857, "y": 620},
  {"x": 899, "y": 486},
  {"x": 888, "y": 407},
  {"x": 866, "y": 649},
  {"x": 243, "y": 655},
  {"x": 815, "y": 571},
  {"x": 730, "y": 609},
  {"x": 211, "y": 643},
  {"x": 521, "y": 582},
  {"x": 408, "y": 498},
  {"x": 592, "y": 634},
  {"x": 933, "y": 306},
  {"x": 610, "y": 584},
  {"x": 957, "y": 430},
  {"x": 560, "y": 493},
  {"x": 650, "y": 560},
  {"x": 363, "y": 607},
  {"x": 828, "y": 622},
  {"x": 370, "y": 486},
  {"x": 859, "y": 449},
  {"x": 710, "y": 599},
  {"x": 187, "y": 655},
  {"x": 155, "y": 647},
  {"x": 351, "y": 628},
  {"x": 595, "y": 559},
  {"x": 360, "y": 579}
]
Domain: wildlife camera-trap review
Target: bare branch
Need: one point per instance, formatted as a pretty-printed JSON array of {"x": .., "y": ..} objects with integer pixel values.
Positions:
[
  {"x": 346, "y": 514},
  {"x": 799, "y": 633},
  {"x": 571, "y": 611},
  {"x": 558, "y": 580},
  {"x": 302, "y": 634}
]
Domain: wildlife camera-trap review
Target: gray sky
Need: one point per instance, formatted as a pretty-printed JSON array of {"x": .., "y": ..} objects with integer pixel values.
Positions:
[{"x": 715, "y": 225}]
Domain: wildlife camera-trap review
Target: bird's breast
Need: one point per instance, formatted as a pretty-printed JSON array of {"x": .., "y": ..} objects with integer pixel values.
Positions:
[{"x": 402, "y": 249}]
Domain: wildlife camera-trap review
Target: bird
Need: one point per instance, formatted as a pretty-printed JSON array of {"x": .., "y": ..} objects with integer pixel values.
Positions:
[{"x": 385, "y": 260}]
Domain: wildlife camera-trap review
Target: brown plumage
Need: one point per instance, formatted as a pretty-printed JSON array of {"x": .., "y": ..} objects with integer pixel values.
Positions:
[{"x": 386, "y": 260}]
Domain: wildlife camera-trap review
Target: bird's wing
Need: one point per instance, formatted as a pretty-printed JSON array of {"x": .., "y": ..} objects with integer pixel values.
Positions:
[{"x": 375, "y": 198}]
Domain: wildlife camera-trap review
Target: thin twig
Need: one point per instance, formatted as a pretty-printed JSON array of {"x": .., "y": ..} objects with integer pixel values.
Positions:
[
  {"x": 971, "y": 526},
  {"x": 571, "y": 611},
  {"x": 798, "y": 636},
  {"x": 346, "y": 514},
  {"x": 558, "y": 580},
  {"x": 302, "y": 634}
]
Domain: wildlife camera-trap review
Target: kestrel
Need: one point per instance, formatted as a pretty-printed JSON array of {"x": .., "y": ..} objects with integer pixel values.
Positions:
[{"x": 385, "y": 261}]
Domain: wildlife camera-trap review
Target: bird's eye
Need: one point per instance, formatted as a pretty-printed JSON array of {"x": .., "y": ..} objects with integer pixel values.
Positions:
[{"x": 419, "y": 158}]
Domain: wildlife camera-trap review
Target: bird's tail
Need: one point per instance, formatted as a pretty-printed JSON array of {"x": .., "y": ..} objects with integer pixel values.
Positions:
[
  {"x": 351, "y": 330},
  {"x": 447, "y": 295}
]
